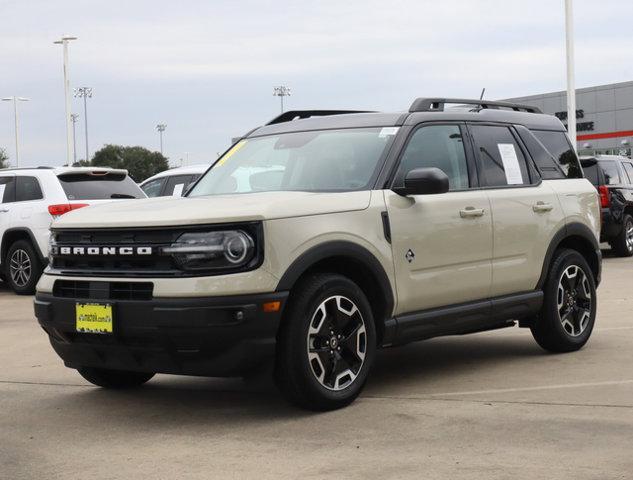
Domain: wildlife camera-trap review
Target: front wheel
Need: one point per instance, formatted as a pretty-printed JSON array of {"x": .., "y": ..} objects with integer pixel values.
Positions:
[
  {"x": 115, "y": 379},
  {"x": 326, "y": 344},
  {"x": 569, "y": 307}
]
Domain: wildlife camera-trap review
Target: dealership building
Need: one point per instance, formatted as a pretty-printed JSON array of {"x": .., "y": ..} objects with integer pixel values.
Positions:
[{"x": 604, "y": 116}]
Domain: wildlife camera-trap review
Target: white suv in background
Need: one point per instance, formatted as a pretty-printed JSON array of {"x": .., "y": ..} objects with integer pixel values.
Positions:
[
  {"x": 30, "y": 198},
  {"x": 173, "y": 182}
]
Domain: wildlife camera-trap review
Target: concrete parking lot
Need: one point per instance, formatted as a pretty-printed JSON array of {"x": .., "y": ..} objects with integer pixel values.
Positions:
[{"x": 485, "y": 406}]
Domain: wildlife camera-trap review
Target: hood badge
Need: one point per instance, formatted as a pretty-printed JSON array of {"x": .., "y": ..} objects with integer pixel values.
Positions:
[{"x": 409, "y": 255}]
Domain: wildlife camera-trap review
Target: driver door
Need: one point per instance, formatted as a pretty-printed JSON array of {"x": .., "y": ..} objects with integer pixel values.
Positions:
[{"x": 441, "y": 243}]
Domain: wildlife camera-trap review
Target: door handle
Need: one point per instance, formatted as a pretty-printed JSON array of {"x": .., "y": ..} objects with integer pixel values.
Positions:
[
  {"x": 542, "y": 207},
  {"x": 4, "y": 210},
  {"x": 471, "y": 212}
]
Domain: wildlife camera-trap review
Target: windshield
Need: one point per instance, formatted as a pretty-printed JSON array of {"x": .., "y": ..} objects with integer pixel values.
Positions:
[{"x": 316, "y": 161}]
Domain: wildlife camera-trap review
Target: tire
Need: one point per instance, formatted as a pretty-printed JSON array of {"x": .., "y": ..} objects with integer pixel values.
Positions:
[
  {"x": 114, "y": 379},
  {"x": 622, "y": 245},
  {"x": 568, "y": 314},
  {"x": 326, "y": 344},
  {"x": 23, "y": 267}
]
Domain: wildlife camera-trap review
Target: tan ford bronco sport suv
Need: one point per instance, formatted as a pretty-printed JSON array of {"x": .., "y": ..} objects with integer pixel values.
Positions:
[{"x": 354, "y": 231}]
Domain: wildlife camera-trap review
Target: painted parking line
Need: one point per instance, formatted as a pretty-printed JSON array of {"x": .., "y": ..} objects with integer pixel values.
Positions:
[{"x": 535, "y": 388}]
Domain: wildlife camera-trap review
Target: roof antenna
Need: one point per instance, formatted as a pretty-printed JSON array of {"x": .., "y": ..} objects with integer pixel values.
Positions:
[{"x": 483, "y": 90}]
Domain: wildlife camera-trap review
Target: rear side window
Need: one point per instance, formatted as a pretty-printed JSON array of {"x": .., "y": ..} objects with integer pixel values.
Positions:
[
  {"x": 27, "y": 188},
  {"x": 88, "y": 186},
  {"x": 559, "y": 147},
  {"x": 7, "y": 189},
  {"x": 501, "y": 160},
  {"x": 628, "y": 168},
  {"x": 611, "y": 172}
]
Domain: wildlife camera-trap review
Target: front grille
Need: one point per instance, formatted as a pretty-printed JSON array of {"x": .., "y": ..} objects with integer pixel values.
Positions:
[{"x": 88, "y": 290}]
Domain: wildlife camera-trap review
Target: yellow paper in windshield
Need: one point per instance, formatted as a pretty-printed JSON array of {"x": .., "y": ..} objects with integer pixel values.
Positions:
[{"x": 230, "y": 153}]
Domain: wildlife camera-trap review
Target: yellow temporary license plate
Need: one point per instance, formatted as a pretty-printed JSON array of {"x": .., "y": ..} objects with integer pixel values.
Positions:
[{"x": 94, "y": 318}]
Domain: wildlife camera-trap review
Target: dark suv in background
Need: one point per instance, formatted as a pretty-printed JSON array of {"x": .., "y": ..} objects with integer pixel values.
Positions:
[{"x": 613, "y": 177}]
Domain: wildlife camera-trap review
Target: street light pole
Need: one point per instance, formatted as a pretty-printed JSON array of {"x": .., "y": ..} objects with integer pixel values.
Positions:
[
  {"x": 74, "y": 117},
  {"x": 85, "y": 93},
  {"x": 161, "y": 128},
  {"x": 64, "y": 42},
  {"x": 281, "y": 91},
  {"x": 571, "y": 89},
  {"x": 15, "y": 101}
]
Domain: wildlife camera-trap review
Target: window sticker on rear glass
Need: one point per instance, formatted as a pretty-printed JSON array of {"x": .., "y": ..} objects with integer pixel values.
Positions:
[
  {"x": 510, "y": 163},
  {"x": 386, "y": 131}
]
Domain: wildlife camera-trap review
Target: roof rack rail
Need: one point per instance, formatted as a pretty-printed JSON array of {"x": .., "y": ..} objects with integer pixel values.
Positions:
[
  {"x": 299, "y": 114},
  {"x": 41, "y": 167},
  {"x": 437, "y": 105}
]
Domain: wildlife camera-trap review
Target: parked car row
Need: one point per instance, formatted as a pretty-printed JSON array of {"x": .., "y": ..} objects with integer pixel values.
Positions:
[{"x": 30, "y": 198}]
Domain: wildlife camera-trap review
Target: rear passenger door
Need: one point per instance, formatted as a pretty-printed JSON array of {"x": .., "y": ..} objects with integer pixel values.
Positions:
[
  {"x": 441, "y": 243},
  {"x": 526, "y": 212}
]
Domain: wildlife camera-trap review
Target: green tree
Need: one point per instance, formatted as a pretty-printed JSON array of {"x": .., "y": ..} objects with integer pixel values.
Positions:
[
  {"x": 4, "y": 158},
  {"x": 140, "y": 162}
]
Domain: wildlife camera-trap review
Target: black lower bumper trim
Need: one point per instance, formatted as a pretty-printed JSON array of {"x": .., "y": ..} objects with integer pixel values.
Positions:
[{"x": 211, "y": 336}]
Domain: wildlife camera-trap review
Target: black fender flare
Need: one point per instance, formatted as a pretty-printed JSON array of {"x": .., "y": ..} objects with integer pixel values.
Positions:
[
  {"x": 29, "y": 233},
  {"x": 334, "y": 249},
  {"x": 574, "y": 229}
]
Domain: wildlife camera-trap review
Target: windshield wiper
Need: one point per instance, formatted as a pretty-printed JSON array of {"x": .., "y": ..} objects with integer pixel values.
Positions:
[{"x": 121, "y": 195}]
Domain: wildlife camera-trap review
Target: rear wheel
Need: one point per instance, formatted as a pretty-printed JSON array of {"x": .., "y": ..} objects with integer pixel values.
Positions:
[
  {"x": 326, "y": 344},
  {"x": 569, "y": 307},
  {"x": 623, "y": 244},
  {"x": 23, "y": 267},
  {"x": 115, "y": 379}
]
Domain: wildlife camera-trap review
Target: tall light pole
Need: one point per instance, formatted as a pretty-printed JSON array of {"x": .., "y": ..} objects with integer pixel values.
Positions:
[
  {"x": 281, "y": 91},
  {"x": 85, "y": 93},
  {"x": 64, "y": 42},
  {"x": 15, "y": 101},
  {"x": 161, "y": 128},
  {"x": 74, "y": 117},
  {"x": 571, "y": 88}
]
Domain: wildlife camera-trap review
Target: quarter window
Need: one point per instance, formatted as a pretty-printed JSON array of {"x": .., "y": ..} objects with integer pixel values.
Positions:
[
  {"x": 27, "y": 188},
  {"x": 439, "y": 146},
  {"x": 501, "y": 160},
  {"x": 559, "y": 147},
  {"x": 7, "y": 189},
  {"x": 628, "y": 168}
]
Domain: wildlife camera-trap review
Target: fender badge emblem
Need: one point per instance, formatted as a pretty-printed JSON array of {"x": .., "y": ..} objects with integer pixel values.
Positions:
[{"x": 409, "y": 255}]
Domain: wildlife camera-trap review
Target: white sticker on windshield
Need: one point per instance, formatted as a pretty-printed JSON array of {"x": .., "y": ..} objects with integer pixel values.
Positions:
[
  {"x": 510, "y": 163},
  {"x": 386, "y": 131}
]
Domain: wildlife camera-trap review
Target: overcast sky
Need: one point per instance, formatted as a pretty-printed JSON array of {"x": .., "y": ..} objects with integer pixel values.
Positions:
[{"x": 207, "y": 68}]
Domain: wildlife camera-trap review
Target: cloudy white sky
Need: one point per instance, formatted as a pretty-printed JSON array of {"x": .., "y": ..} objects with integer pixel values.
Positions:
[{"x": 207, "y": 68}]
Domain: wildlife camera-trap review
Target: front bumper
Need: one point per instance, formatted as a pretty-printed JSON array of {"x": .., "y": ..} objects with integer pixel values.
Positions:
[{"x": 212, "y": 336}]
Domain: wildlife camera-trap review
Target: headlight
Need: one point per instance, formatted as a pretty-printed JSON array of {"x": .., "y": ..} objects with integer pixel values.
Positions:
[{"x": 224, "y": 249}]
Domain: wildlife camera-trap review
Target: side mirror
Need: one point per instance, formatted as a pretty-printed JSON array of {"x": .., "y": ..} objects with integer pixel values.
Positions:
[{"x": 423, "y": 181}]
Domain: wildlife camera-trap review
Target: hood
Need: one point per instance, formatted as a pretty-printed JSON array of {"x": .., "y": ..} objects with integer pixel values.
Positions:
[{"x": 168, "y": 211}]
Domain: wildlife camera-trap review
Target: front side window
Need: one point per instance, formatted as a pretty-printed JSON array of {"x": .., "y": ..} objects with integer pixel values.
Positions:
[
  {"x": 439, "y": 146},
  {"x": 314, "y": 161},
  {"x": 7, "y": 189},
  {"x": 559, "y": 147},
  {"x": 611, "y": 172},
  {"x": 27, "y": 188},
  {"x": 501, "y": 160},
  {"x": 154, "y": 187},
  {"x": 177, "y": 185}
]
